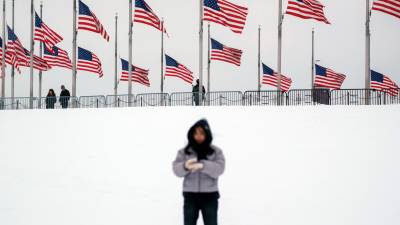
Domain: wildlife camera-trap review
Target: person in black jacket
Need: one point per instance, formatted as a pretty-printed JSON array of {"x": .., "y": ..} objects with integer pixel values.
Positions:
[
  {"x": 51, "y": 99},
  {"x": 64, "y": 97},
  {"x": 196, "y": 92}
]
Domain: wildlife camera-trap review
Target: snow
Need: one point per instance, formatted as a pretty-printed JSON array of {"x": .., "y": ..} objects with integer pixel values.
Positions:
[{"x": 285, "y": 165}]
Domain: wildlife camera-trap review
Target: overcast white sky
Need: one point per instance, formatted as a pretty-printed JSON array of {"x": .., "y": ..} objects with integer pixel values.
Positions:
[{"x": 339, "y": 46}]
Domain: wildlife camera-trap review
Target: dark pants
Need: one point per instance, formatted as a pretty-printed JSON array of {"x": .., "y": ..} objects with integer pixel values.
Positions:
[{"x": 208, "y": 206}]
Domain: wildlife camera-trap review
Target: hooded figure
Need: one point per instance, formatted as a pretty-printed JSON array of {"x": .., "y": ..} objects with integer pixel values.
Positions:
[{"x": 200, "y": 163}]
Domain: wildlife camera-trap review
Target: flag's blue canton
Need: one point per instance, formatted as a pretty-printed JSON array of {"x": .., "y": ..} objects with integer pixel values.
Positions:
[
  {"x": 212, "y": 4},
  {"x": 267, "y": 70},
  {"x": 171, "y": 62},
  {"x": 38, "y": 21},
  {"x": 54, "y": 53},
  {"x": 320, "y": 71},
  {"x": 216, "y": 45},
  {"x": 125, "y": 65},
  {"x": 11, "y": 34},
  {"x": 377, "y": 77},
  {"x": 84, "y": 9},
  {"x": 84, "y": 54},
  {"x": 142, "y": 4}
]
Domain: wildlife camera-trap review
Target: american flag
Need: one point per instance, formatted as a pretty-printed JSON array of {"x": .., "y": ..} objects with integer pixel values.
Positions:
[
  {"x": 38, "y": 63},
  {"x": 175, "y": 69},
  {"x": 307, "y": 9},
  {"x": 325, "y": 77},
  {"x": 57, "y": 58},
  {"x": 87, "y": 61},
  {"x": 144, "y": 14},
  {"x": 45, "y": 34},
  {"x": 16, "y": 49},
  {"x": 9, "y": 56},
  {"x": 383, "y": 83},
  {"x": 223, "y": 53},
  {"x": 271, "y": 78},
  {"x": 88, "y": 21},
  {"x": 139, "y": 75},
  {"x": 225, "y": 13},
  {"x": 391, "y": 7}
]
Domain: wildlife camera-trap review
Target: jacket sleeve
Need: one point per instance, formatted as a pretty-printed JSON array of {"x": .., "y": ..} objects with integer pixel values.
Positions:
[
  {"x": 178, "y": 165},
  {"x": 214, "y": 168}
]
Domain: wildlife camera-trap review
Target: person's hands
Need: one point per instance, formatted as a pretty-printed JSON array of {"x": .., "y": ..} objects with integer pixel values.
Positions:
[
  {"x": 189, "y": 163},
  {"x": 196, "y": 167}
]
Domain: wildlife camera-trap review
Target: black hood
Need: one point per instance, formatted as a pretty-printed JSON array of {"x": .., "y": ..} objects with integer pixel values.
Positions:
[{"x": 203, "y": 149}]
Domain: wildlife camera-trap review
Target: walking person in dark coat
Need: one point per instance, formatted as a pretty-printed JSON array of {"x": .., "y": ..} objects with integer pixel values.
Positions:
[
  {"x": 200, "y": 164},
  {"x": 51, "y": 99},
  {"x": 64, "y": 97},
  {"x": 196, "y": 92}
]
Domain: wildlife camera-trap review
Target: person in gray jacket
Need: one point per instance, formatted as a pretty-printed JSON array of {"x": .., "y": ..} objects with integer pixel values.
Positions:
[{"x": 200, "y": 164}]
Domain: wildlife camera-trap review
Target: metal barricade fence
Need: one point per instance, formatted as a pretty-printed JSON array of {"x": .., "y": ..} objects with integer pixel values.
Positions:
[
  {"x": 263, "y": 98},
  {"x": 119, "y": 101},
  {"x": 357, "y": 97},
  {"x": 391, "y": 96},
  {"x": 152, "y": 99},
  {"x": 182, "y": 99},
  {"x": 15, "y": 103},
  {"x": 308, "y": 97},
  {"x": 224, "y": 98},
  {"x": 98, "y": 101}
]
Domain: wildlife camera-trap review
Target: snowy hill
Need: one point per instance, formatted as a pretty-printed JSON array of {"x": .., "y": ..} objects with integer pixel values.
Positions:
[{"x": 285, "y": 165}]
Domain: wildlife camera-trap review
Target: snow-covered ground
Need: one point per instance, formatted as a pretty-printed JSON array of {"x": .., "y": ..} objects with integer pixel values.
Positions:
[{"x": 285, "y": 165}]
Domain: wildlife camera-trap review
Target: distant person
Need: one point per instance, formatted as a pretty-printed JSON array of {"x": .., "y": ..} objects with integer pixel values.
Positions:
[
  {"x": 196, "y": 92},
  {"x": 64, "y": 97},
  {"x": 200, "y": 164},
  {"x": 51, "y": 99}
]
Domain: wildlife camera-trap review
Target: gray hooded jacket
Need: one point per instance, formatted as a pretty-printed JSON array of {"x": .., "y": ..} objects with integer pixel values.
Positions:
[{"x": 204, "y": 180}]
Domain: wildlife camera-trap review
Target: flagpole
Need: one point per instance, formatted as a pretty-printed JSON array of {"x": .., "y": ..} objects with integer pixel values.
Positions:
[
  {"x": 3, "y": 59},
  {"x": 130, "y": 54},
  {"x": 367, "y": 51},
  {"x": 116, "y": 59},
  {"x": 201, "y": 53},
  {"x": 12, "y": 67},
  {"x": 41, "y": 55},
  {"x": 279, "y": 67},
  {"x": 162, "y": 56},
  {"x": 74, "y": 49},
  {"x": 209, "y": 60},
  {"x": 312, "y": 59},
  {"x": 31, "y": 60},
  {"x": 259, "y": 60}
]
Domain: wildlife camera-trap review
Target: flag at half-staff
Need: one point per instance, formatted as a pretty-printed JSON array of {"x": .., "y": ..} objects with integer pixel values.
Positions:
[
  {"x": 89, "y": 62},
  {"x": 16, "y": 49},
  {"x": 307, "y": 9},
  {"x": 175, "y": 69},
  {"x": 89, "y": 22},
  {"x": 8, "y": 57},
  {"x": 224, "y": 53},
  {"x": 226, "y": 14},
  {"x": 383, "y": 83},
  {"x": 391, "y": 7},
  {"x": 45, "y": 34},
  {"x": 270, "y": 77},
  {"x": 57, "y": 58},
  {"x": 327, "y": 78},
  {"x": 139, "y": 75},
  {"x": 38, "y": 63},
  {"x": 144, "y": 14}
]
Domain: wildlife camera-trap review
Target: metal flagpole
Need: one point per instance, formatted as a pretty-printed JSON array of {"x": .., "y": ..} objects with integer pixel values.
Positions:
[
  {"x": 3, "y": 59},
  {"x": 209, "y": 60},
  {"x": 130, "y": 54},
  {"x": 162, "y": 56},
  {"x": 12, "y": 67},
  {"x": 279, "y": 68},
  {"x": 74, "y": 49},
  {"x": 367, "y": 52},
  {"x": 41, "y": 55},
  {"x": 31, "y": 60},
  {"x": 312, "y": 59},
  {"x": 201, "y": 53},
  {"x": 116, "y": 61},
  {"x": 259, "y": 60}
]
